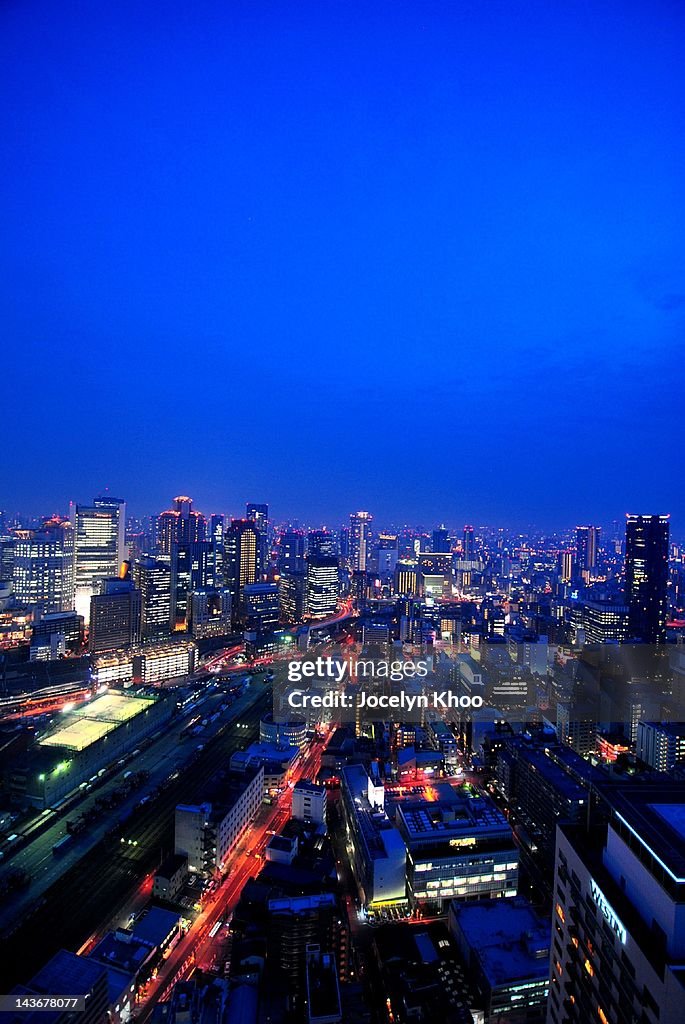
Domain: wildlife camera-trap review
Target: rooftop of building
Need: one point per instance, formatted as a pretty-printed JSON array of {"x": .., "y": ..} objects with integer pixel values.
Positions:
[
  {"x": 172, "y": 864},
  {"x": 411, "y": 756},
  {"x": 280, "y": 752},
  {"x": 155, "y": 926},
  {"x": 301, "y": 904},
  {"x": 119, "y": 949},
  {"x": 284, "y": 844},
  {"x": 675, "y": 729},
  {"x": 560, "y": 779},
  {"x": 444, "y": 811},
  {"x": 322, "y": 986},
  {"x": 69, "y": 973},
  {"x": 222, "y": 791},
  {"x": 88, "y": 723},
  {"x": 507, "y": 938},
  {"x": 378, "y": 833},
  {"x": 306, "y": 786},
  {"x": 651, "y": 814},
  {"x": 422, "y": 971}
]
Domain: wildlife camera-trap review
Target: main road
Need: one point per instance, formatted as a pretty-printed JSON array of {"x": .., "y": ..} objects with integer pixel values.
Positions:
[{"x": 196, "y": 948}]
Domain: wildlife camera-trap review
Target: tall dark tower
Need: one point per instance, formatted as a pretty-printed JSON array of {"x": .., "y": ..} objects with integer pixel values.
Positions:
[
  {"x": 441, "y": 539},
  {"x": 587, "y": 546},
  {"x": 469, "y": 544},
  {"x": 291, "y": 547},
  {"x": 647, "y": 577}
]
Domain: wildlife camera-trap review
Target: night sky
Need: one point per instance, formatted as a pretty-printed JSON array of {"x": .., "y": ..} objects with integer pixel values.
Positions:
[{"x": 422, "y": 258}]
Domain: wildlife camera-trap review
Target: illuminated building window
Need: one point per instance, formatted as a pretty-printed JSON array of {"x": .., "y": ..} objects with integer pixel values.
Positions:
[
  {"x": 602, "y": 1015},
  {"x": 589, "y": 968},
  {"x": 560, "y": 913}
]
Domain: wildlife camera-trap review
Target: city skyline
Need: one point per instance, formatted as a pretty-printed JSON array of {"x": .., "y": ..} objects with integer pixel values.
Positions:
[
  {"x": 449, "y": 232},
  {"x": 614, "y": 527},
  {"x": 342, "y": 518}
]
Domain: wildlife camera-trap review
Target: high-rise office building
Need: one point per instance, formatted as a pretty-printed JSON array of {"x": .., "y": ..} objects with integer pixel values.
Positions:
[
  {"x": 441, "y": 539},
  {"x": 360, "y": 529},
  {"x": 152, "y": 578},
  {"x": 216, "y": 536},
  {"x": 565, "y": 566},
  {"x": 180, "y": 525},
  {"x": 43, "y": 567},
  {"x": 587, "y": 549},
  {"x": 387, "y": 555},
  {"x": 192, "y": 568},
  {"x": 468, "y": 544},
  {"x": 661, "y": 745},
  {"x": 260, "y": 607},
  {"x": 259, "y": 514},
  {"x": 647, "y": 577},
  {"x": 291, "y": 551},
  {"x": 321, "y": 544},
  {"x": 7, "y": 547},
  {"x": 99, "y": 545},
  {"x": 406, "y": 579},
  {"x": 344, "y": 544},
  {"x": 114, "y": 616},
  {"x": 291, "y": 591},
  {"x": 241, "y": 562},
  {"x": 599, "y": 622},
  {"x": 619, "y": 911},
  {"x": 210, "y": 612},
  {"x": 323, "y": 586}
]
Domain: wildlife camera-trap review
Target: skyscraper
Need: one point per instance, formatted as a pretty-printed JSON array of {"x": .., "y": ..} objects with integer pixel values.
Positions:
[
  {"x": 387, "y": 554},
  {"x": 441, "y": 539},
  {"x": 114, "y": 616},
  {"x": 43, "y": 567},
  {"x": 152, "y": 578},
  {"x": 323, "y": 586},
  {"x": 192, "y": 568},
  {"x": 100, "y": 547},
  {"x": 406, "y": 578},
  {"x": 259, "y": 610},
  {"x": 259, "y": 514},
  {"x": 469, "y": 544},
  {"x": 322, "y": 543},
  {"x": 291, "y": 545},
  {"x": 216, "y": 536},
  {"x": 565, "y": 566},
  {"x": 647, "y": 577},
  {"x": 360, "y": 528},
  {"x": 291, "y": 592},
  {"x": 587, "y": 547},
  {"x": 241, "y": 565},
  {"x": 180, "y": 525}
]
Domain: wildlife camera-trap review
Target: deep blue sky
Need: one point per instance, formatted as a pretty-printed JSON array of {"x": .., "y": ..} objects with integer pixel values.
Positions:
[{"x": 423, "y": 258}]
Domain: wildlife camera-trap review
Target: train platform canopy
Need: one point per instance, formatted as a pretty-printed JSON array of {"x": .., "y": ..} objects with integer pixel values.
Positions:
[{"x": 90, "y": 722}]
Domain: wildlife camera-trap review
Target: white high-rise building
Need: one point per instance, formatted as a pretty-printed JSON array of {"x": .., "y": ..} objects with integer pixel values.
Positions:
[
  {"x": 43, "y": 567},
  {"x": 360, "y": 528},
  {"x": 100, "y": 547}
]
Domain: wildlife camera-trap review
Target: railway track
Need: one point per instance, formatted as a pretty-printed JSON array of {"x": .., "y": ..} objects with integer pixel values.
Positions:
[{"x": 89, "y": 893}]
